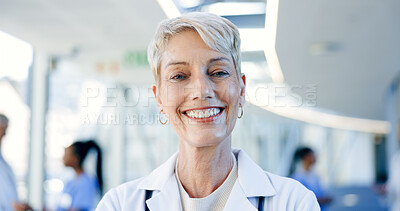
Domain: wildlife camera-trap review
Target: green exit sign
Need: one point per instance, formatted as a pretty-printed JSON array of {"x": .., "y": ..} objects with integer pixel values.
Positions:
[{"x": 136, "y": 59}]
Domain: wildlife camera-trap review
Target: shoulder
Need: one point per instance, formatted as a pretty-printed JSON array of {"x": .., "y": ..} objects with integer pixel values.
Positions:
[
  {"x": 121, "y": 196},
  {"x": 131, "y": 195},
  {"x": 84, "y": 178},
  {"x": 81, "y": 182},
  {"x": 293, "y": 193},
  {"x": 281, "y": 193}
]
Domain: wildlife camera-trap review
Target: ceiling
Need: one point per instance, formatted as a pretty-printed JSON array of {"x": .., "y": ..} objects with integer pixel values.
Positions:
[
  {"x": 59, "y": 27},
  {"x": 349, "y": 49}
]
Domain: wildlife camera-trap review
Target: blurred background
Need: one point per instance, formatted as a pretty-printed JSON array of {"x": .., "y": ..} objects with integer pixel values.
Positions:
[{"x": 322, "y": 74}]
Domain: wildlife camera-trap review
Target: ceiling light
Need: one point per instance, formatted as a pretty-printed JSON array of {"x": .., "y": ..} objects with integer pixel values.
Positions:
[
  {"x": 324, "y": 119},
  {"x": 253, "y": 39},
  {"x": 271, "y": 22},
  {"x": 190, "y": 4},
  {"x": 322, "y": 48},
  {"x": 235, "y": 8},
  {"x": 169, "y": 8}
]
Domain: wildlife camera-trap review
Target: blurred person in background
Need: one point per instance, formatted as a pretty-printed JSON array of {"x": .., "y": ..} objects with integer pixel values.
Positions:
[
  {"x": 81, "y": 192},
  {"x": 8, "y": 187},
  {"x": 393, "y": 184},
  {"x": 200, "y": 89},
  {"x": 301, "y": 170}
]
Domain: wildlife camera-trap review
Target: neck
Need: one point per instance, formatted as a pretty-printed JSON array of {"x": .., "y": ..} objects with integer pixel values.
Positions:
[
  {"x": 306, "y": 166},
  {"x": 202, "y": 170},
  {"x": 78, "y": 170}
]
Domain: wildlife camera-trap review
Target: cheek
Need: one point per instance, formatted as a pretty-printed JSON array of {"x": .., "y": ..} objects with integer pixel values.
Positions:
[
  {"x": 66, "y": 161},
  {"x": 231, "y": 96},
  {"x": 66, "y": 157},
  {"x": 171, "y": 97},
  {"x": 233, "y": 109}
]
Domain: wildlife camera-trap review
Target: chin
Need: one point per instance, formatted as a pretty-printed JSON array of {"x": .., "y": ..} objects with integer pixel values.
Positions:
[{"x": 207, "y": 139}]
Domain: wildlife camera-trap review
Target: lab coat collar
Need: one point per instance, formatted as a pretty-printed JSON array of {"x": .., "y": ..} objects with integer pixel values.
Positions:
[
  {"x": 253, "y": 180},
  {"x": 168, "y": 198},
  {"x": 163, "y": 183},
  {"x": 160, "y": 176}
]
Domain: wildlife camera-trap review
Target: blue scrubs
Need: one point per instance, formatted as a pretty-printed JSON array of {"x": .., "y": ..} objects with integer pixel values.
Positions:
[{"x": 79, "y": 194}]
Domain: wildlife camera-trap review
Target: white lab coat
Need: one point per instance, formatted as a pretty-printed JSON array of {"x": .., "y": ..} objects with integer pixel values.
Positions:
[{"x": 280, "y": 193}]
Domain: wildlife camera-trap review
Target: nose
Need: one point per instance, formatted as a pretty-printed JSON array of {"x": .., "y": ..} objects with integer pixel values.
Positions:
[{"x": 203, "y": 88}]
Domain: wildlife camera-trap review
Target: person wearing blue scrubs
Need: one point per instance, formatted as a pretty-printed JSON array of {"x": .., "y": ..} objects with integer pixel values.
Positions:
[
  {"x": 8, "y": 186},
  {"x": 80, "y": 193},
  {"x": 301, "y": 170}
]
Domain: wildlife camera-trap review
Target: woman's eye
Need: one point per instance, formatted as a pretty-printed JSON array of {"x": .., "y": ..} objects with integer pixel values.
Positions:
[
  {"x": 220, "y": 74},
  {"x": 177, "y": 77}
]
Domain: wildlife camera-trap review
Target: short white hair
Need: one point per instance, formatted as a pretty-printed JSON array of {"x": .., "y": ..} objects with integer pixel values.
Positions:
[{"x": 217, "y": 32}]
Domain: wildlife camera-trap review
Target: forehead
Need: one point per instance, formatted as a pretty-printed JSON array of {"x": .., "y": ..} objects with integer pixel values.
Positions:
[
  {"x": 188, "y": 37},
  {"x": 188, "y": 46}
]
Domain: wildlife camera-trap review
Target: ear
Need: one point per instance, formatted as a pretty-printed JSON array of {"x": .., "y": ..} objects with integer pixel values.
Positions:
[
  {"x": 242, "y": 85},
  {"x": 157, "y": 96}
]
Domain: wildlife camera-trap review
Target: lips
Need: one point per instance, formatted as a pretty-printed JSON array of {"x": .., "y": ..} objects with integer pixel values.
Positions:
[{"x": 204, "y": 113}]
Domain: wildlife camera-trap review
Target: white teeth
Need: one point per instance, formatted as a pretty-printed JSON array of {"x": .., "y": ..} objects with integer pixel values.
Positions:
[{"x": 203, "y": 113}]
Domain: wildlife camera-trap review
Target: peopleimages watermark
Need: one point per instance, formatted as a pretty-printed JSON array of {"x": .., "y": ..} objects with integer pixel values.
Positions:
[
  {"x": 283, "y": 95},
  {"x": 109, "y": 118},
  {"x": 142, "y": 98}
]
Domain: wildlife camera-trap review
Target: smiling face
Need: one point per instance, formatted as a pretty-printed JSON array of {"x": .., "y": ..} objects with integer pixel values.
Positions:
[
  {"x": 309, "y": 160},
  {"x": 199, "y": 90}
]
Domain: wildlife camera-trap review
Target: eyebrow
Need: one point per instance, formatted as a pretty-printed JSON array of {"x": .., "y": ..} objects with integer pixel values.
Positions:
[
  {"x": 209, "y": 61},
  {"x": 218, "y": 59},
  {"x": 176, "y": 63}
]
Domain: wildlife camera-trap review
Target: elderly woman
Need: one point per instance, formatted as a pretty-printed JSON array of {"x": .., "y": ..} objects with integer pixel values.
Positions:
[{"x": 195, "y": 60}]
